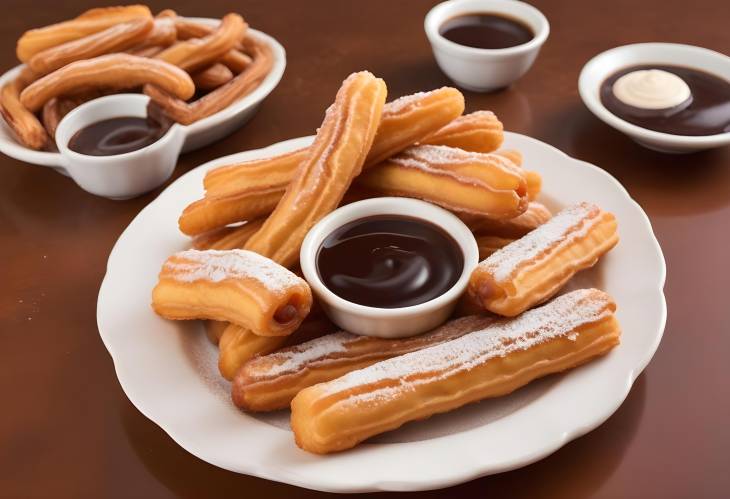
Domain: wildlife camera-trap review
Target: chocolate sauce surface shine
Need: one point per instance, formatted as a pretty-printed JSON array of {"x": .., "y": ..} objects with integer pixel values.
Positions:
[
  {"x": 116, "y": 136},
  {"x": 707, "y": 113},
  {"x": 485, "y": 30},
  {"x": 389, "y": 261}
]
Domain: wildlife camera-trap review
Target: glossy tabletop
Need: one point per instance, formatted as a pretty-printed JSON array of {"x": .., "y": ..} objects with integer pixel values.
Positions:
[{"x": 66, "y": 427}]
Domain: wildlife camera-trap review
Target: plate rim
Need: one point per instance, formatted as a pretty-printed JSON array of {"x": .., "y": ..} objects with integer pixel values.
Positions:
[{"x": 282, "y": 474}]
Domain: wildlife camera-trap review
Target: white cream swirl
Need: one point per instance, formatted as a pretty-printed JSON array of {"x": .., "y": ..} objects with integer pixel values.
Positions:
[{"x": 651, "y": 89}]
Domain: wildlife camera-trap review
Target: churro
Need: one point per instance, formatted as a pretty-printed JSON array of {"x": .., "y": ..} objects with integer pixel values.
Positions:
[
  {"x": 490, "y": 244},
  {"x": 116, "y": 38},
  {"x": 212, "y": 77},
  {"x": 476, "y": 183},
  {"x": 533, "y": 268},
  {"x": 198, "y": 53},
  {"x": 88, "y": 23},
  {"x": 490, "y": 362},
  {"x": 22, "y": 122},
  {"x": 238, "y": 286},
  {"x": 113, "y": 71},
  {"x": 534, "y": 216},
  {"x": 479, "y": 131},
  {"x": 333, "y": 161},
  {"x": 270, "y": 382}
]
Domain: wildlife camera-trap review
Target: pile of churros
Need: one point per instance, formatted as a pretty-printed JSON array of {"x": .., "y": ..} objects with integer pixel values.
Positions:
[
  {"x": 189, "y": 69},
  {"x": 280, "y": 351}
]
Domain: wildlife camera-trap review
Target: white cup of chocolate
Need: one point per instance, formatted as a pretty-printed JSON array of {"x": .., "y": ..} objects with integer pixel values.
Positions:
[{"x": 111, "y": 148}]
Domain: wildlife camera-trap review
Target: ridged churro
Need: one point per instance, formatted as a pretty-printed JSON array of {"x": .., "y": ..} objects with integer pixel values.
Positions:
[
  {"x": 270, "y": 382},
  {"x": 238, "y": 286},
  {"x": 115, "y": 38},
  {"x": 88, "y": 23},
  {"x": 22, "y": 122},
  {"x": 479, "y": 131},
  {"x": 212, "y": 77},
  {"x": 490, "y": 362},
  {"x": 113, "y": 71},
  {"x": 333, "y": 161},
  {"x": 533, "y": 268},
  {"x": 227, "y": 238},
  {"x": 476, "y": 183},
  {"x": 513, "y": 228}
]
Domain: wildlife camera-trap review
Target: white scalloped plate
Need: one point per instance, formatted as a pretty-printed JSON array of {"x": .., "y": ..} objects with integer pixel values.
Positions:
[
  {"x": 168, "y": 369},
  {"x": 197, "y": 135}
]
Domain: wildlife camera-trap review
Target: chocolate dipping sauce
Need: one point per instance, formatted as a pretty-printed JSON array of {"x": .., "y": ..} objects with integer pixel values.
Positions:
[
  {"x": 116, "y": 136},
  {"x": 486, "y": 31},
  {"x": 389, "y": 261},
  {"x": 706, "y": 113}
]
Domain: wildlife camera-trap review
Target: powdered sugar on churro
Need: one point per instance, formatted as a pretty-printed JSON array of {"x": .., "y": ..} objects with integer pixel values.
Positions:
[
  {"x": 215, "y": 266},
  {"x": 571, "y": 223},
  {"x": 295, "y": 358},
  {"x": 401, "y": 103},
  {"x": 559, "y": 318}
]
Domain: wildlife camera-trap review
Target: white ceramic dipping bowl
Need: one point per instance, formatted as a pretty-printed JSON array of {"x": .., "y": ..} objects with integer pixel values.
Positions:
[
  {"x": 120, "y": 176},
  {"x": 604, "y": 65},
  {"x": 484, "y": 70},
  {"x": 388, "y": 322}
]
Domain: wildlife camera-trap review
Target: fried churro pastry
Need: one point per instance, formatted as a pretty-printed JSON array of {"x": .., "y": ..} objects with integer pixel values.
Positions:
[
  {"x": 511, "y": 154},
  {"x": 227, "y": 238},
  {"x": 252, "y": 189},
  {"x": 238, "y": 286},
  {"x": 479, "y": 131},
  {"x": 212, "y": 77},
  {"x": 490, "y": 244},
  {"x": 270, "y": 382},
  {"x": 214, "y": 331},
  {"x": 514, "y": 228},
  {"x": 239, "y": 345},
  {"x": 240, "y": 86},
  {"x": 198, "y": 53},
  {"x": 533, "y": 268},
  {"x": 480, "y": 184},
  {"x": 116, "y": 38},
  {"x": 55, "y": 109},
  {"x": 88, "y": 23},
  {"x": 162, "y": 34},
  {"x": 333, "y": 161},
  {"x": 534, "y": 184},
  {"x": 22, "y": 122},
  {"x": 113, "y": 71},
  {"x": 490, "y": 362},
  {"x": 236, "y": 61}
]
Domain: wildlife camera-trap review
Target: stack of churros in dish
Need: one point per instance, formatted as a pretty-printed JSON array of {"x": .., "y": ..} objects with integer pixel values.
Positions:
[
  {"x": 189, "y": 69},
  {"x": 280, "y": 351}
]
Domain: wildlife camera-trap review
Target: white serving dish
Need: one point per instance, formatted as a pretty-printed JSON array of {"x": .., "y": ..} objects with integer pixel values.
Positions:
[
  {"x": 602, "y": 66},
  {"x": 196, "y": 135},
  {"x": 168, "y": 369}
]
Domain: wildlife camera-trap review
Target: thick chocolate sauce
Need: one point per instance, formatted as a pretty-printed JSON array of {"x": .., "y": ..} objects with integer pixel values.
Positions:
[
  {"x": 485, "y": 30},
  {"x": 389, "y": 261},
  {"x": 116, "y": 136},
  {"x": 708, "y": 112}
]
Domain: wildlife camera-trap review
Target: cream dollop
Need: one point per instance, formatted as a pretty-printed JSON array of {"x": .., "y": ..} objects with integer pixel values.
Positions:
[{"x": 651, "y": 89}]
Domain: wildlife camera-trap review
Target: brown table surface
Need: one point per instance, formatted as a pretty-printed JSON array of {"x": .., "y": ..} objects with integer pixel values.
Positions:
[{"x": 66, "y": 427}]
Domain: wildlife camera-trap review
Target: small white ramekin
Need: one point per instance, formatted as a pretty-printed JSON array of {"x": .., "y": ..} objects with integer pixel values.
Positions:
[
  {"x": 604, "y": 65},
  {"x": 388, "y": 322},
  {"x": 484, "y": 70},
  {"x": 120, "y": 176}
]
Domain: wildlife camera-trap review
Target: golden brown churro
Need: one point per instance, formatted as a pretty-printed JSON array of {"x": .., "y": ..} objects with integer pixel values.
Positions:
[
  {"x": 116, "y": 38},
  {"x": 113, "y": 71},
  {"x": 490, "y": 362},
  {"x": 90, "y": 22},
  {"x": 212, "y": 77},
  {"x": 227, "y": 237},
  {"x": 480, "y": 184},
  {"x": 21, "y": 121},
  {"x": 514, "y": 228},
  {"x": 479, "y": 131},
  {"x": 238, "y": 286},
  {"x": 198, "y": 53},
  {"x": 532, "y": 269},
  {"x": 337, "y": 155}
]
